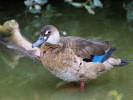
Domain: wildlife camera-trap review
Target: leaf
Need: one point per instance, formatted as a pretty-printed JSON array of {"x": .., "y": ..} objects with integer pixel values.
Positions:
[
  {"x": 98, "y": 3},
  {"x": 49, "y": 7},
  {"x": 37, "y": 7},
  {"x": 120, "y": 96},
  {"x": 124, "y": 5},
  {"x": 68, "y": 0},
  {"x": 34, "y": 11},
  {"x": 92, "y": 4},
  {"x": 130, "y": 4},
  {"x": 114, "y": 93},
  {"x": 28, "y": 2},
  {"x": 48, "y": 15},
  {"x": 41, "y": 2},
  {"x": 59, "y": 14},
  {"x": 88, "y": 8},
  {"x": 79, "y": 5},
  {"x": 129, "y": 15}
]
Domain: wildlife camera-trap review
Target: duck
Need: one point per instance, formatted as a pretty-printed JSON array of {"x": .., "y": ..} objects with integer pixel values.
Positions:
[{"x": 74, "y": 59}]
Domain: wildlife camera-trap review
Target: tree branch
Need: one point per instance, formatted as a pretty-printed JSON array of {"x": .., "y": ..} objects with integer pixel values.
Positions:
[{"x": 11, "y": 37}]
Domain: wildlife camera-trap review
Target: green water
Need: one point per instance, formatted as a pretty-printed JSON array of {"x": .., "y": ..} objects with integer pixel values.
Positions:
[{"x": 22, "y": 78}]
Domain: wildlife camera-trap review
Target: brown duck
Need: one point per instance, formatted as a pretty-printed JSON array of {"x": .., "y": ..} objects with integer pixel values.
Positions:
[{"x": 73, "y": 58}]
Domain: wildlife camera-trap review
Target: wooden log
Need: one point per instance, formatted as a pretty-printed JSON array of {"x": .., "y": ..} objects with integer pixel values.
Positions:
[{"x": 11, "y": 37}]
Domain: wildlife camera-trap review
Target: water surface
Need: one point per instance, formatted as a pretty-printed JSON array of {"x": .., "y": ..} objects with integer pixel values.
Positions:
[{"x": 22, "y": 78}]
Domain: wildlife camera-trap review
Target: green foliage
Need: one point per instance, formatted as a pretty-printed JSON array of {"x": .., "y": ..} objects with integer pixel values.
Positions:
[
  {"x": 129, "y": 8},
  {"x": 115, "y": 95},
  {"x": 130, "y": 15},
  {"x": 76, "y": 4},
  {"x": 36, "y": 9},
  {"x": 32, "y": 2},
  {"x": 51, "y": 12},
  {"x": 98, "y": 3},
  {"x": 89, "y": 7},
  {"x": 91, "y": 4},
  {"x": 35, "y": 5}
]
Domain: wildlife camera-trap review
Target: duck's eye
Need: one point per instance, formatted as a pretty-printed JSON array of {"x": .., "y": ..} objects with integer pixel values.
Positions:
[{"x": 49, "y": 31}]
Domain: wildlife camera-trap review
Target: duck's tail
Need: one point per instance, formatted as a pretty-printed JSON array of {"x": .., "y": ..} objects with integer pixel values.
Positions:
[
  {"x": 108, "y": 54},
  {"x": 124, "y": 62}
]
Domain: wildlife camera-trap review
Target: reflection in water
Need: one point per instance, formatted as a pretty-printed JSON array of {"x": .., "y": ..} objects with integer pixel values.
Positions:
[
  {"x": 29, "y": 80},
  {"x": 130, "y": 25},
  {"x": 9, "y": 56}
]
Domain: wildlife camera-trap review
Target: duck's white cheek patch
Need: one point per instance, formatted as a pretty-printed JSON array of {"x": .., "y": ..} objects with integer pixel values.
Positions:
[
  {"x": 45, "y": 37},
  {"x": 46, "y": 32}
]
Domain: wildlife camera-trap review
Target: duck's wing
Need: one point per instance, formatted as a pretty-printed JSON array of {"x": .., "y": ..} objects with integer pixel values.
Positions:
[{"x": 85, "y": 48}]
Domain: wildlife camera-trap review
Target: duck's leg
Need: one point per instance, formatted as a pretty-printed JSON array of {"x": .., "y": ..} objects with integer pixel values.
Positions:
[{"x": 82, "y": 86}]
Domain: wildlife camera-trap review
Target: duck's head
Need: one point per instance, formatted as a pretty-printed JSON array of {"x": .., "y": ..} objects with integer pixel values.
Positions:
[{"x": 48, "y": 34}]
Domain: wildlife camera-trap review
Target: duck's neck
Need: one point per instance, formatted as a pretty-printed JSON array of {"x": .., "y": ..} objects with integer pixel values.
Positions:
[{"x": 54, "y": 38}]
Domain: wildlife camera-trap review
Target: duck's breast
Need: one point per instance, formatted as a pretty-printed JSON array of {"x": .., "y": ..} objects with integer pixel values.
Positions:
[{"x": 61, "y": 62}]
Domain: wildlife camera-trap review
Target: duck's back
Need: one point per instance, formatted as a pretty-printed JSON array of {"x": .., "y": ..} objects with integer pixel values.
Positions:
[{"x": 85, "y": 48}]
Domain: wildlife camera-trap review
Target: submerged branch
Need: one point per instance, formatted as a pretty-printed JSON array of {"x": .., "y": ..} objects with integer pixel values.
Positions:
[{"x": 11, "y": 37}]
